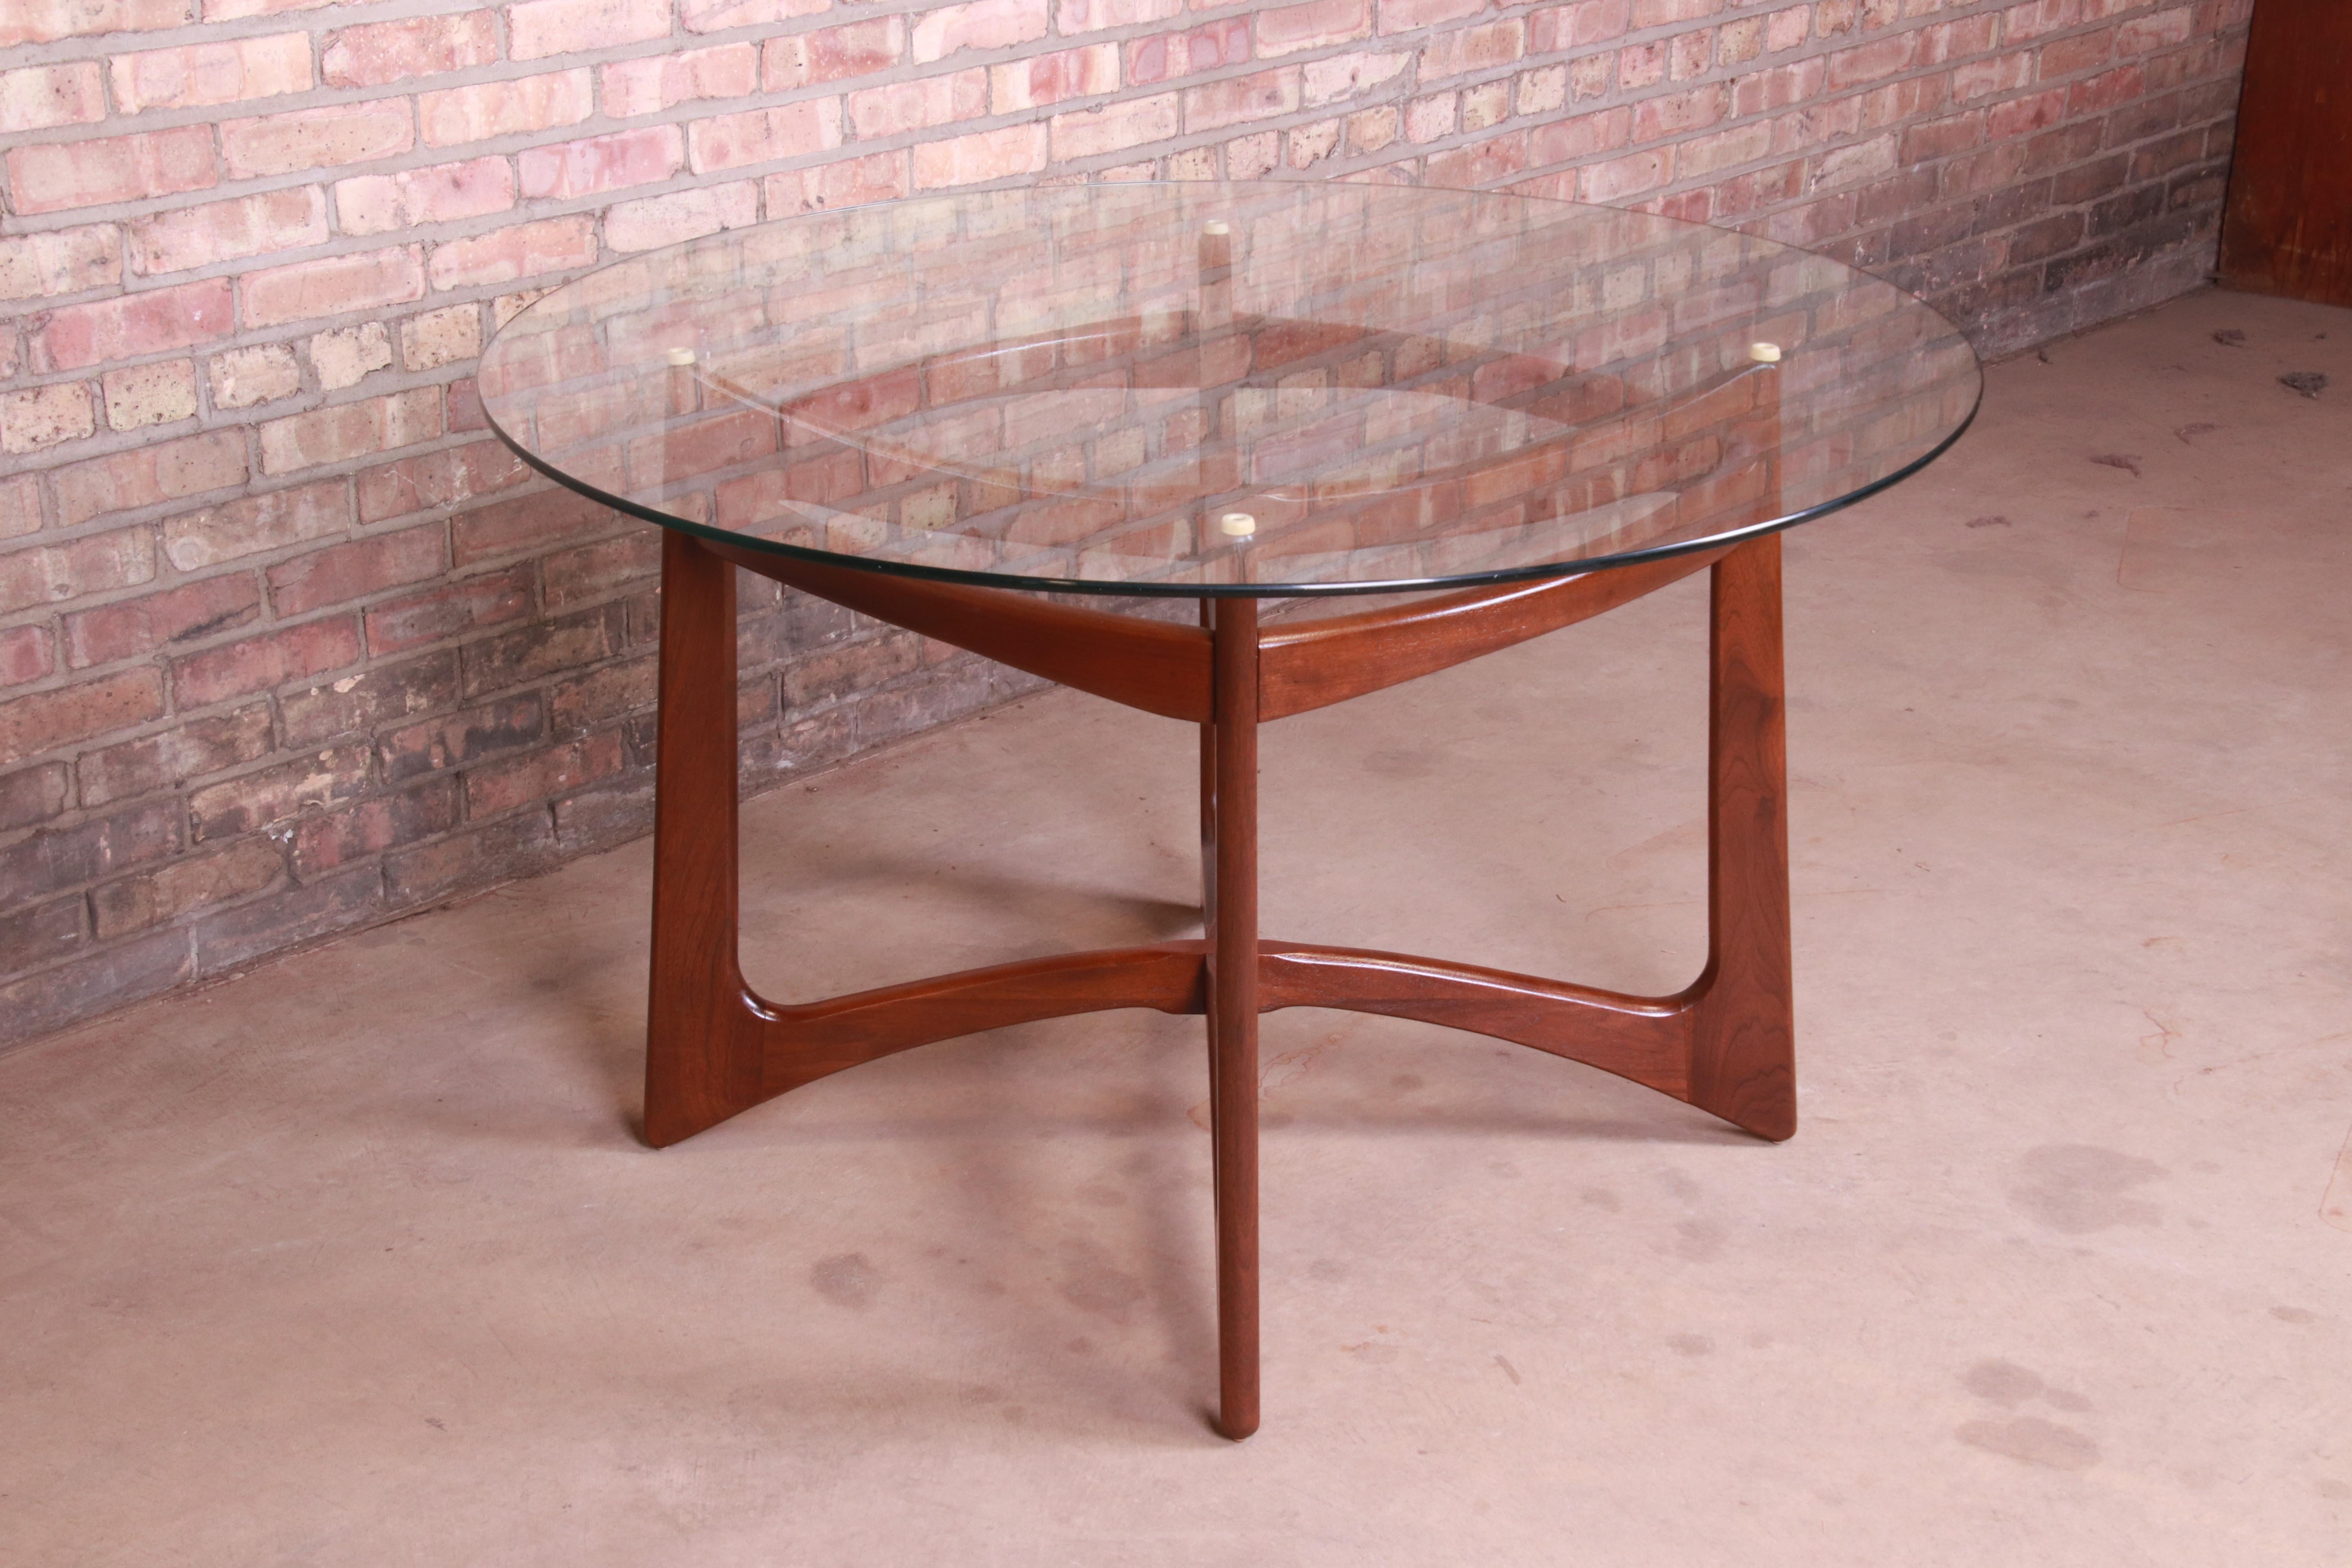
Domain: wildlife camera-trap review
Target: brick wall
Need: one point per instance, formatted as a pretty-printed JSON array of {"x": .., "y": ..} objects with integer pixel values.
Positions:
[{"x": 287, "y": 646}]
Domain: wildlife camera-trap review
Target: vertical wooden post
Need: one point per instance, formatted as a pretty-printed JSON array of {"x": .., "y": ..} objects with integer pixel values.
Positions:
[
  {"x": 1743, "y": 1044},
  {"x": 703, "y": 1046},
  {"x": 1229, "y": 853}
]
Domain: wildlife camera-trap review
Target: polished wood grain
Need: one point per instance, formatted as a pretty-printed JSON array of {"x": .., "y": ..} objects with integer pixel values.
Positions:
[
  {"x": 1724, "y": 1044},
  {"x": 1152, "y": 665},
  {"x": 1231, "y": 849}
]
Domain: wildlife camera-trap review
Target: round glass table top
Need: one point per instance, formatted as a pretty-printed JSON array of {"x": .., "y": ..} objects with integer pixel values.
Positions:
[{"x": 1203, "y": 389}]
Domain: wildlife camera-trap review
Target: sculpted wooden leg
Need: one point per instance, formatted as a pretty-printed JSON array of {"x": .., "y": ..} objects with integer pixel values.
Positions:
[
  {"x": 1742, "y": 1060},
  {"x": 704, "y": 1033},
  {"x": 1229, "y": 853}
]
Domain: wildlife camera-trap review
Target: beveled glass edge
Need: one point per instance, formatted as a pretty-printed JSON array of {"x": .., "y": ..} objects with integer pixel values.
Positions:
[
  {"x": 1102, "y": 588},
  {"x": 1162, "y": 590}
]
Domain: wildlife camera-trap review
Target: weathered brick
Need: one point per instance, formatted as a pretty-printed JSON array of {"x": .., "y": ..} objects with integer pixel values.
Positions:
[
  {"x": 155, "y": 393},
  {"x": 1089, "y": 133},
  {"x": 46, "y": 574},
  {"x": 145, "y": 476},
  {"x": 223, "y": 231},
  {"x": 457, "y": 740},
  {"x": 113, "y": 976},
  {"x": 253, "y": 524},
  {"x": 262, "y": 373},
  {"x": 558, "y": 643},
  {"x": 524, "y": 251},
  {"x": 457, "y": 115},
  {"x": 283, "y": 920},
  {"x": 39, "y": 936},
  {"x": 536, "y": 28},
  {"x": 270, "y": 795},
  {"x": 512, "y": 846},
  {"x": 38, "y": 96},
  {"x": 333, "y": 286},
  {"x": 350, "y": 430},
  {"x": 654, "y": 221},
  {"x": 562, "y": 769},
  {"x": 150, "y": 898},
  {"x": 381, "y": 694},
  {"x": 612, "y": 693},
  {"x": 259, "y": 663},
  {"x": 20, "y": 506},
  {"x": 980, "y": 25},
  {"x": 1404, "y": 15},
  {"x": 344, "y": 573},
  {"x": 848, "y": 182},
  {"x": 664, "y": 81},
  {"x": 63, "y": 261},
  {"x": 442, "y": 192},
  {"x": 302, "y": 139},
  {"x": 32, "y": 795},
  {"x": 832, "y": 54},
  {"x": 445, "y": 478},
  {"x": 134, "y": 628},
  {"x": 67, "y": 175},
  {"x": 26, "y": 655},
  {"x": 602, "y": 162},
  {"x": 192, "y": 75},
  {"x": 879, "y": 112},
  {"x": 209, "y": 743},
  {"x": 372, "y": 826},
  {"x": 39, "y": 417},
  {"x": 713, "y": 16},
  {"x": 761, "y": 135},
  {"x": 132, "y": 325},
  {"x": 64, "y": 858},
  {"x": 1284, "y": 29},
  {"x": 467, "y": 604},
  {"x": 381, "y": 52}
]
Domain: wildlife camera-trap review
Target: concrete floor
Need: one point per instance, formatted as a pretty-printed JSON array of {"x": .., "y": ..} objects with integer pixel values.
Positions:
[{"x": 357, "y": 1259}]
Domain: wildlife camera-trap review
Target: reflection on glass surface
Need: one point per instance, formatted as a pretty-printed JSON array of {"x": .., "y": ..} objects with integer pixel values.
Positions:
[{"x": 1079, "y": 387}]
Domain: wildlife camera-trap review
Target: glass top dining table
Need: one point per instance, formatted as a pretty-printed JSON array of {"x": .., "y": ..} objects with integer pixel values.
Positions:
[
  {"x": 1209, "y": 389},
  {"x": 960, "y": 414}
]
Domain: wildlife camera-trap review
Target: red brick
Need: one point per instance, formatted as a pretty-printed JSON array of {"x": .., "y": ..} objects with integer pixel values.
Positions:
[
  {"x": 32, "y": 795},
  {"x": 452, "y": 475},
  {"x": 63, "y": 261},
  {"x": 269, "y": 795},
  {"x": 302, "y": 138},
  {"x": 124, "y": 973},
  {"x": 2102, "y": 92},
  {"x": 1615, "y": 180},
  {"x": 832, "y": 54},
  {"x": 333, "y": 286},
  {"x": 50, "y": 862},
  {"x": 461, "y": 114},
  {"x": 38, "y": 96},
  {"x": 455, "y": 740},
  {"x": 344, "y": 573},
  {"x": 150, "y": 898},
  {"x": 848, "y": 183},
  {"x": 95, "y": 564},
  {"x": 372, "y": 826},
  {"x": 1163, "y": 57},
  {"x": 37, "y": 937},
  {"x": 558, "y": 643},
  {"x": 259, "y": 927},
  {"x": 1284, "y": 29},
  {"x": 25, "y": 655},
  {"x": 193, "y": 748},
  {"x": 465, "y": 604},
  {"x": 602, "y": 162},
  {"x": 2020, "y": 116},
  {"x": 223, "y": 231},
  {"x": 1403, "y": 15},
  {"x": 380, "y": 204},
  {"x": 536, "y": 28},
  {"x": 663, "y": 81},
  {"x": 131, "y": 325},
  {"x": 379, "y": 694},
  {"x": 350, "y": 430},
  {"x": 713, "y": 16},
  {"x": 66, "y": 174},
  {"x": 261, "y": 662},
  {"x": 20, "y": 506},
  {"x": 381, "y": 52},
  {"x": 654, "y": 221},
  {"x": 194, "y": 76},
  {"x": 526, "y": 522},
  {"x": 524, "y": 251},
  {"x": 981, "y": 25},
  {"x": 760, "y": 135},
  {"x": 146, "y": 475},
  {"x": 1238, "y": 99},
  {"x": 254, "y": 524},
  {"x": 46, "y": 21},
  {"x": 1051, "y": 79},
  {"x": 878, "y": 112},
  {"x": 1677, "y": 114},
  {"x": 558, "y": 770},
  {"x": 45, "y": 720},
  {"x": 595, "y": 570},
  {"x": 512, "y": 846},
  {"x": 1120, "y": 124},
  {"x": 138, "y": 626}
]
